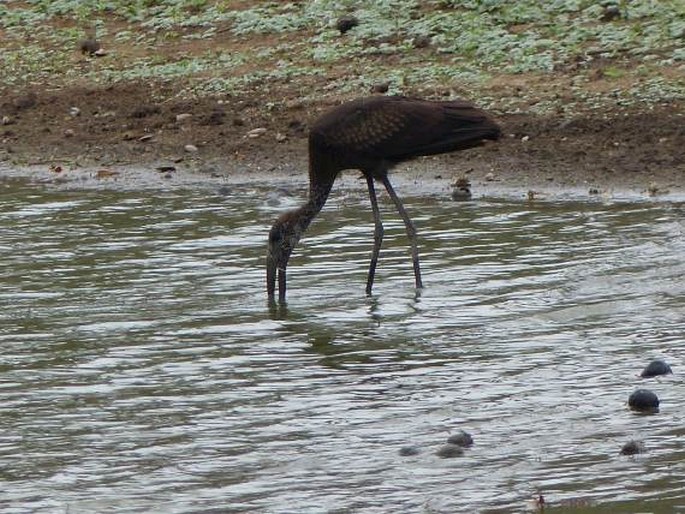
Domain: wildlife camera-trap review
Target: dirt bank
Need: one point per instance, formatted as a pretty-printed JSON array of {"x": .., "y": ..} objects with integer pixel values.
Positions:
[{"x": 106, "y": 129}]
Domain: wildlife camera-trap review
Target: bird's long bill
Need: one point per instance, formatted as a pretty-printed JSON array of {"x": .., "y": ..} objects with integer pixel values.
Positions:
[
  {"x": 271, "y": 270},
  {"x": 270, "y": 277}
]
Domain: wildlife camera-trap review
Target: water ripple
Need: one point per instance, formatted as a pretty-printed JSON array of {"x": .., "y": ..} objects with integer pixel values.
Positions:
[{"x": 144, "y": 372}]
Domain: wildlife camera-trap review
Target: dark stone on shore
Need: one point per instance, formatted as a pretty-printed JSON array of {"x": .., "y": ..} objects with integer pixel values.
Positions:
[
  {"x": 421, "y": 41},
  {"x": 143, "y": 111},
  {"x": 216, "y": 117},
  {"x": 644, "y": 400},
  {"x": 381, "y": 87},
  {"x": 461, "y": 438},
  {"x": 346, "y": 23},
  {"x": 655, "y": 368},
  {"x": 611, "y": 12},
  {"x": 462, "y": 189},
  {"x": 461, "y": 194},
  {"x": 448, "y": 451}
]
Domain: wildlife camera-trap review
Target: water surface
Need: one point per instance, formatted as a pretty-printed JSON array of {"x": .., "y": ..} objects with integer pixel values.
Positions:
[{"x": 143, "y": 371}]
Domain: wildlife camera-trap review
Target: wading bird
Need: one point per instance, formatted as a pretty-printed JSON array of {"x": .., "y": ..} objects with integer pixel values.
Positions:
[{"x": 373, "y": 135}]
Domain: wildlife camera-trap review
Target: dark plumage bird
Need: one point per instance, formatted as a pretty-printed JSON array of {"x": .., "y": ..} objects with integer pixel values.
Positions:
[
  {"x": 346, "y": 23},
  {"x": 373, "y": 135},
  {"x": 89, "y": 46}
]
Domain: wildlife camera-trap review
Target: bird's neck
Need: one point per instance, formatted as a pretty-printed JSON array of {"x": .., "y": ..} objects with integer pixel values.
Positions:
[{"x": 318, "y": 194}]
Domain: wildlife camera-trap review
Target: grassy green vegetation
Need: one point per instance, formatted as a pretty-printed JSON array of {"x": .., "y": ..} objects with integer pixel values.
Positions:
[{"x": 231, "y": 47}]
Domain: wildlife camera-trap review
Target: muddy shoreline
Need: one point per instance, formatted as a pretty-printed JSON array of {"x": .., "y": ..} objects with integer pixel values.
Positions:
[{"x": 110, "y": 135}]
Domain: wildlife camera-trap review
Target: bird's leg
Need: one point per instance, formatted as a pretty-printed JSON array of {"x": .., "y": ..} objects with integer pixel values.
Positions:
[
  {"x": 281, "y": 285},
  {"x": 377, "y": 235},
  {"x": 411, "y": 231}
]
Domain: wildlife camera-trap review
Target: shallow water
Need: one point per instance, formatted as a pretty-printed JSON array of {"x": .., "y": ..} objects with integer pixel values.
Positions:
[{"x": 143, "y": 371}]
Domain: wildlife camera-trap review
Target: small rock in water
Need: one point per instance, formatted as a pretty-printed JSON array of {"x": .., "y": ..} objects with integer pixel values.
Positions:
[
  {"x": 448, "y": 451},
  {"x": 644, "y": 400},
  {"x": 633, "y": 448},
  {"x": 461, "y": 438},
  {"x": 461, "y": 195},
  {"x": 190, "y": 148},
  {"x": 183, "y": 116},
  {"x": 74, "y": 111},
  {"x": 408, "y": 451},
  {"x": 462, "y": 189},
  {"x": 490, "y": 177},
  {"x": 655, "y": 368},
  {"x": 68, "y": 133}
]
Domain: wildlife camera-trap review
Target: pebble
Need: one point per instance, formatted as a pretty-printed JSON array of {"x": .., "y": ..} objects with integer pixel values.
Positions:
[
  {"x": 104, "y": 173},
  {"x": 655, "y": 368},
  {"x": 633, "y": 448},
  {"x": 280, "y": 137},
  {"x": 6, "y": 120},
  {"x": 190, "y": 148},
  {"x": 461, "y": 438},
  {"x": 256, "y": 132},
  {"x": 644, "y": 400},
  {"x": 448, "y": 451},
  {"x": 490, "y": 177},
  {"x": 408, "y": 451},
  {"x": 183, "y": 116},
  {"x": 68, "y": 133},
  {"x": 74, "y": 111}
]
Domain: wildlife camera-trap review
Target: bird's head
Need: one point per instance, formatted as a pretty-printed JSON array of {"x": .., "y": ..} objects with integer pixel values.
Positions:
[{"x": 283, "y": 237}]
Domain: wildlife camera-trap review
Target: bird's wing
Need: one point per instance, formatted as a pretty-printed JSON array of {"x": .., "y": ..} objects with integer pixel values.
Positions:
[{"x": 400, "y": 128}]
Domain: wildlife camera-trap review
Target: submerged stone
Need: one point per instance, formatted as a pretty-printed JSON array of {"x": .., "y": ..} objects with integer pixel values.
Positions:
[
  {"x": 408, "y": 451},
  {"x": 633, "y": 448},
  {"x": 644, "y": 400},
  {"x": 461, "y": 438},
  {"x": 655, "y": 368},
  {"x": 448, "y": 451}
]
